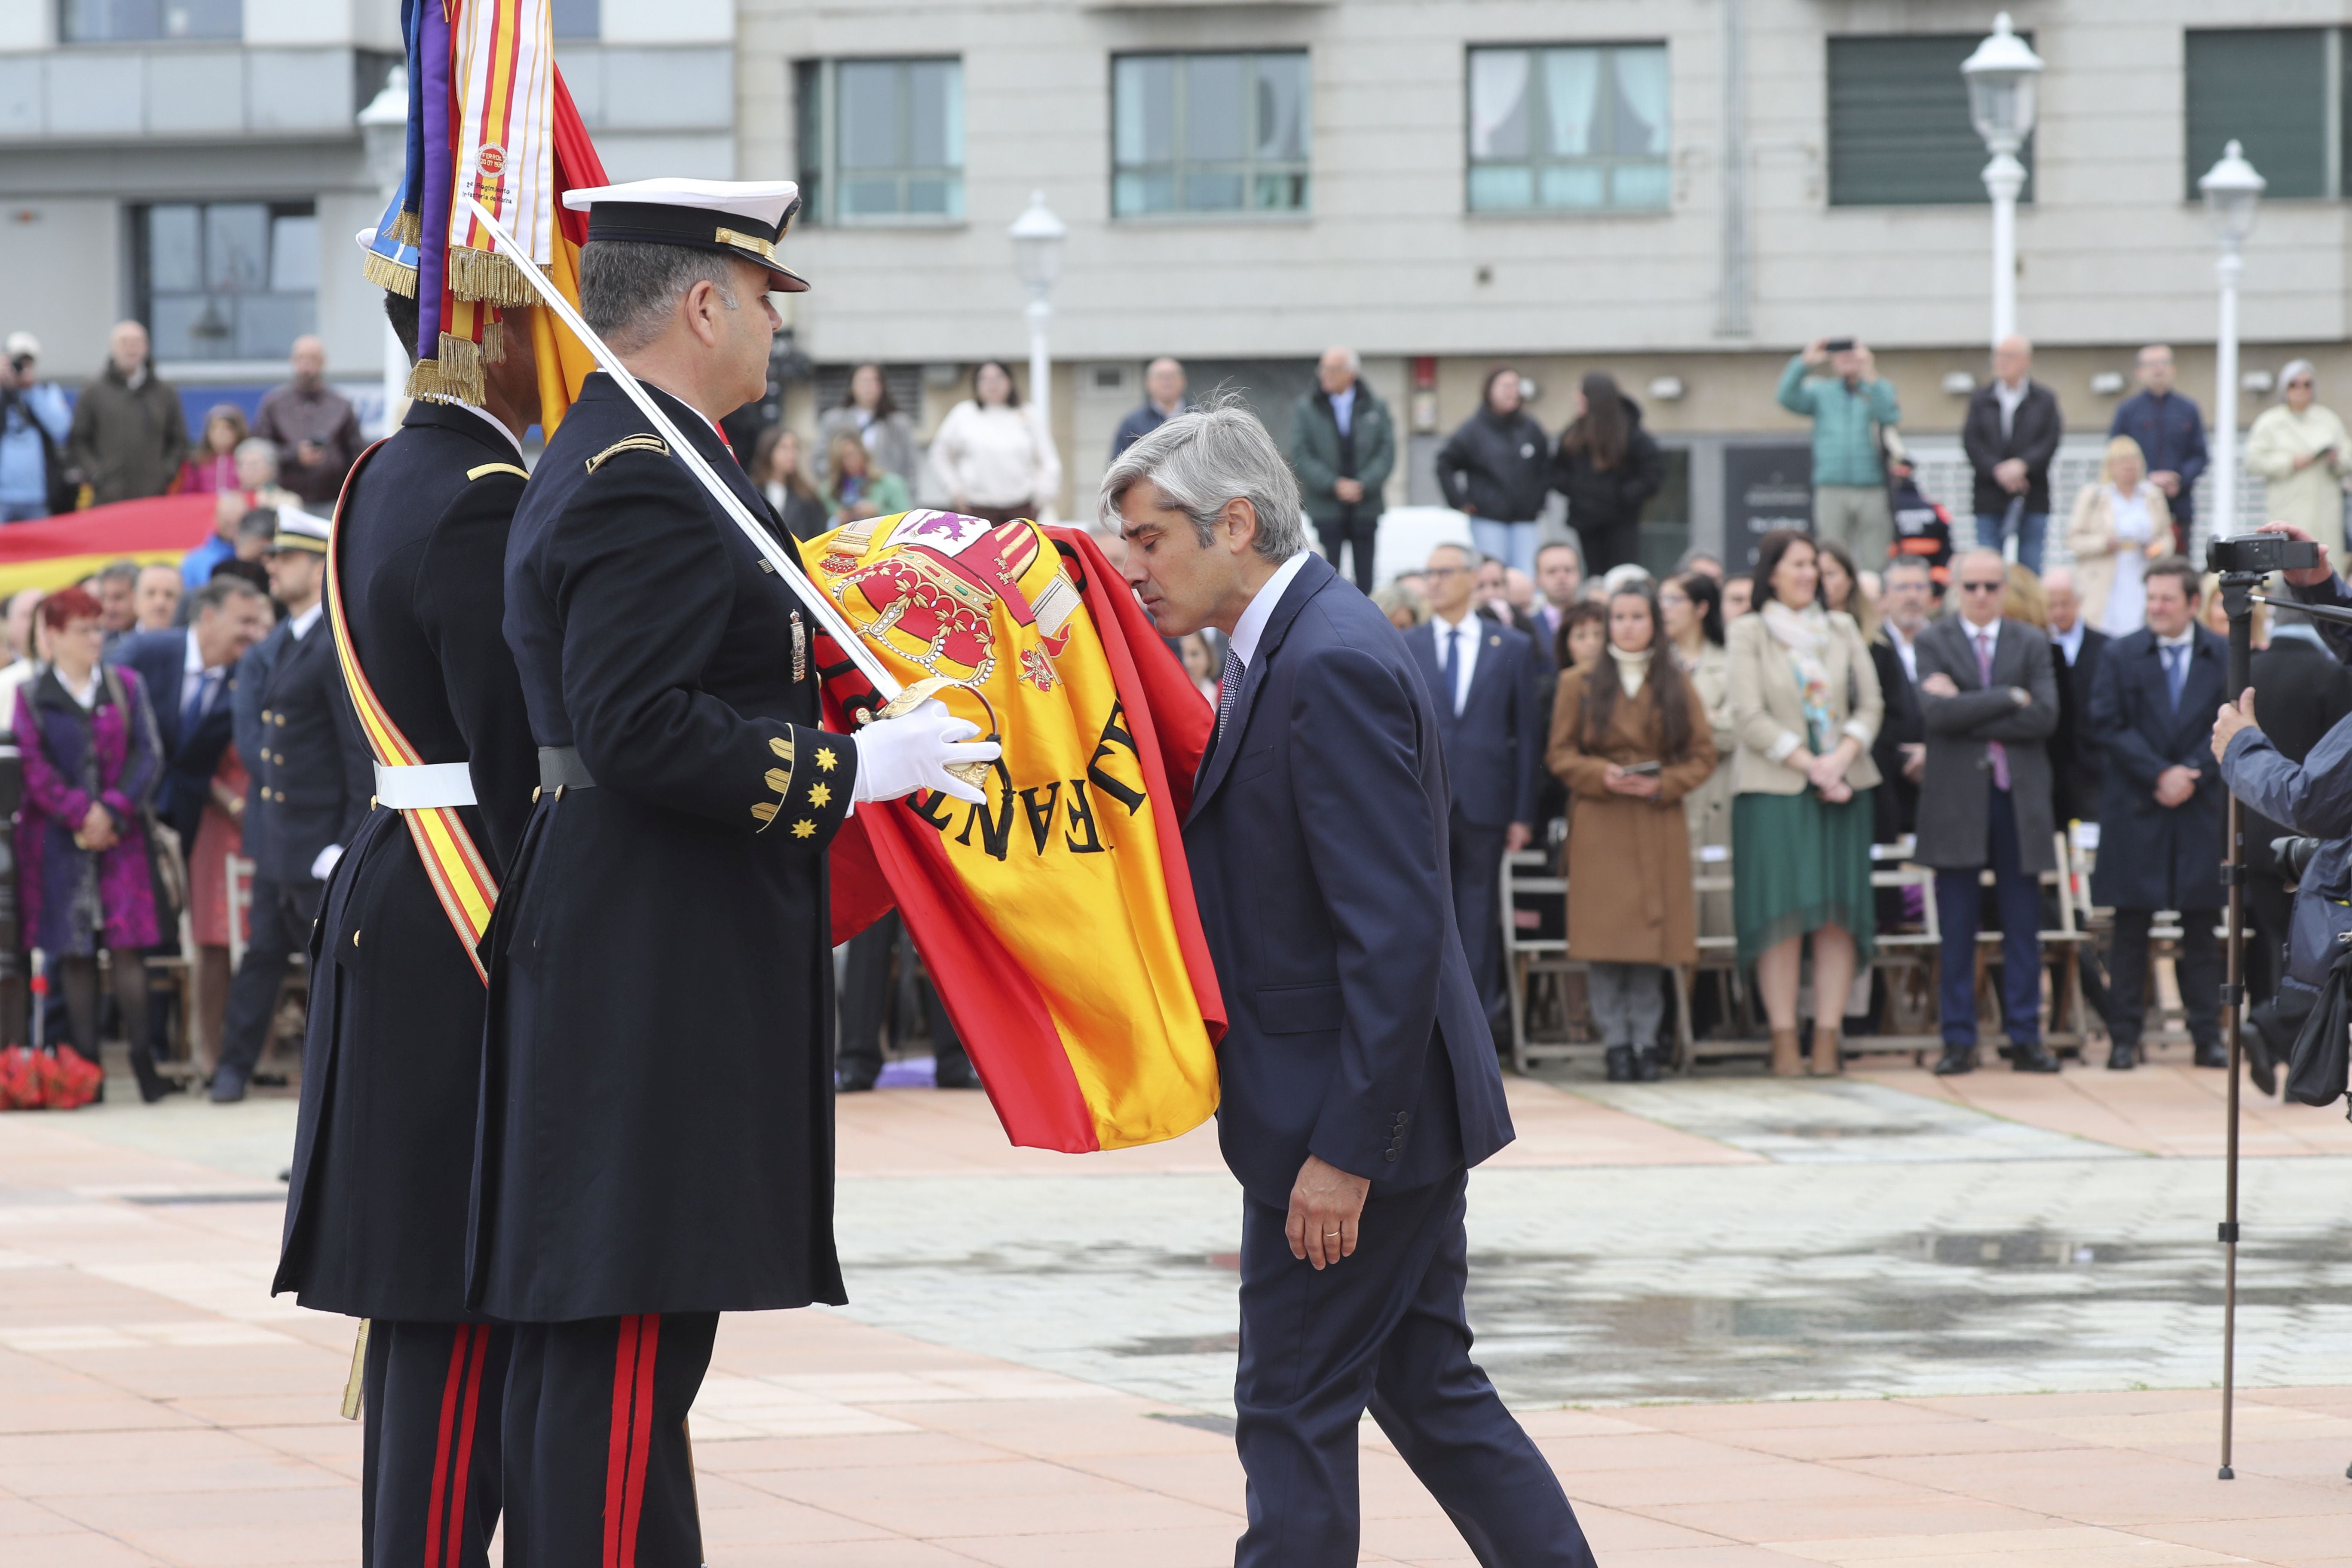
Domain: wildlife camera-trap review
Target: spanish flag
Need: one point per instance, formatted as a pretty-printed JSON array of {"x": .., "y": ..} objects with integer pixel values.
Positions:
[
  {"x": 1056, "y": 917},
  {"x": 55, "y": 551}
]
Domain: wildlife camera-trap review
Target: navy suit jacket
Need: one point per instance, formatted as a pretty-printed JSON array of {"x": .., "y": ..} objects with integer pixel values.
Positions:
[
  {"x": 1494, "y": 746},
  {"x": 1317, "y": 843},
  {"x": 160, "y": 659},
  {"x": 2153, "y": 856}
]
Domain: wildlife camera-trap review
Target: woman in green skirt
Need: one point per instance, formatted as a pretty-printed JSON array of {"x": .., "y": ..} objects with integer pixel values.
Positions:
[{"x": 1805, "y": 703}]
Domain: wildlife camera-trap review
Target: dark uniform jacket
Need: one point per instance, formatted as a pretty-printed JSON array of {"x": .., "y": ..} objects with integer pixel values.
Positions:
[
  {"x": 384, "y": 1153},
  {"x": 1357, "y": 1032},
  {"x": 2153, "y": 856},
  {"x": 311, "y": 771},
  {"x": 191, "y": 755},
  {"x": 657, "y": 1115}
]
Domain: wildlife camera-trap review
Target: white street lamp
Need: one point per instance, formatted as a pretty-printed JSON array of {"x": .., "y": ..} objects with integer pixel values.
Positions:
[
  {"x": 383, "y": 130},
  {"x": 2233, "y": 191},
  {"x": 1037, "y": 237},
  {"x": 2002, "y": 76}
]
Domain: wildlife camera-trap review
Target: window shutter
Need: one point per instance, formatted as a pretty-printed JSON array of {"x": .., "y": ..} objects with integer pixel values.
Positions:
[
  {"x": 2266, "y": 89},
  {"x": 1899, "y": 128}
]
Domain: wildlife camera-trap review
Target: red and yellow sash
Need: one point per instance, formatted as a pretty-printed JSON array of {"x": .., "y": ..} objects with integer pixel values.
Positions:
[{"x": 460, "y": 877}]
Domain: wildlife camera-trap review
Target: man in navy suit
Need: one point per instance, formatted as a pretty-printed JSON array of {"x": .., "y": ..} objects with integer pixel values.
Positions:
[
  {"x": 191, "y": 671},
  {"x": 1482, "y": 678},
  {"x": 2161, "y": 807},
  {"x": 1357, "y": 1072}
]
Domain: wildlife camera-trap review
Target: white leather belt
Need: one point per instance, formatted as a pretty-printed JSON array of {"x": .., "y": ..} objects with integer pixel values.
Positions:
[{"x": 424, "y": 786}]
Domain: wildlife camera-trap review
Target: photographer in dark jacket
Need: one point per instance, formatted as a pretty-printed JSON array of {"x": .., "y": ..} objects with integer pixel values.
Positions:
[
  {"x": 1608, "y": 467},
  {"x": 1497, "y": 468}
]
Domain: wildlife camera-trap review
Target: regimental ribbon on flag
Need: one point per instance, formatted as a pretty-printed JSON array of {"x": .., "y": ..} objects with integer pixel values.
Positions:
[
  {"x": 461, "y": 878},
  {"x": 503, "y": 71}
]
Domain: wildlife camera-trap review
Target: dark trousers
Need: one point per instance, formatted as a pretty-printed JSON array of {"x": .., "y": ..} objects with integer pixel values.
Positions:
[
  {"x": 1958, "y": 904},
  {"x": 1384, "y": 1329},
  {"x": 430, "y": 1479},
  {"x": 2198, "y": 970},
  {"x": 598, "y": 1467},
  {"x": 1356, "y": 531},
  {"x": 865, "y": 988},
  {"x": 282, "y": 916},
  {"x": 1477, "y": 854},
  {"x": 1610, "y": 547}
]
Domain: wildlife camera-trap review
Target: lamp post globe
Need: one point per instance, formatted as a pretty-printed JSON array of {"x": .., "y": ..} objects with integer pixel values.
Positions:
[
  {"x": 1037, "y": 237},
  {"x": 2002, "y": 76},
  {"x": 2232, "y": 191},
  {"x": 383, "y": 132}
]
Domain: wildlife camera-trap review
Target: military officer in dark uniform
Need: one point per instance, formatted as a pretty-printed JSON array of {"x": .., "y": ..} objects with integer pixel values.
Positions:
[
  {"x": 311, "y": 780},
  {"x": 658, "y": 1114},
  {"x": 384, "y": 1153}
]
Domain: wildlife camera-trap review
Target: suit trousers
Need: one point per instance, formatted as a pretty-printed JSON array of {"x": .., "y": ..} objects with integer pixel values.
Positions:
[
  {"x": 598, "y": 1465},
  {"x": 1355, "y": 530},
  {"x": 1958, "y": 904},
  {"x": 283, "y": 913},
  {"x": 866, "y": 986},
  {"x": 1384, "y": 1328},
  {"x": 432, "y": 1421},
  {"x": 1478, "y": 856},
  {"x": 2198, "y": 970}
]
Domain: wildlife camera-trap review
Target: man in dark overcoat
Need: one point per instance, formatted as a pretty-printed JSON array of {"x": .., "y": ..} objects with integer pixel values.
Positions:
[
  {"x": 190, "y": 671},
  {"x": 2161, "y": 807},
  {"x": 1988, "y": 700},
  {"x": 311, "y": 781},
  {"x": 656, "y": 1130},
  {"x": 383, "y": 1150}
]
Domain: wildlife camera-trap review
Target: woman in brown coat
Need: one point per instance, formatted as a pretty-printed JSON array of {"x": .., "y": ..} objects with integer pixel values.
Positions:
[{"x": 1630, "y": 738}]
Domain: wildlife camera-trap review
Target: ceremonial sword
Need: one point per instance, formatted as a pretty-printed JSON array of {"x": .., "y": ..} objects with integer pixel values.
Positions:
[{"x": 787, "y": 566}]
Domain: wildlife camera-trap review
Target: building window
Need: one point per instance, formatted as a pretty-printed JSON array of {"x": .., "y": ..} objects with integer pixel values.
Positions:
[
  {"x": 226, "y": 280},
  {"x": 1899, "y": 128},
  {"x": 1226, "y": 133},
  {"x": 1568, "y": 129},
  {"x": 576, "y": 18},
  {"x": 148, "y": 21},
  {"x": 881, "y": 141},
  {"x": 2272, "y": 90}
]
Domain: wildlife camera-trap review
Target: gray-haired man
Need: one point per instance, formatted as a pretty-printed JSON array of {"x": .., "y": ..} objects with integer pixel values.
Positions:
[{"x": 1358, "y": 1073}]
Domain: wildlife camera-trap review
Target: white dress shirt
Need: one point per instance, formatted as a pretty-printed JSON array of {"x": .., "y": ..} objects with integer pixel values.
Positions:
[
  {"x": 2070, "y": 643},
  {"x": 1252, "y": 625},
  {"x": 495, "y": 422},
  {"x": 1473, "y": 631},
  {"x": 299, "y": 627},
  {"x": 1343, "y": 407},
  {"x": 1906, "y": 649},
  {"x": 2009, "y": 397}
]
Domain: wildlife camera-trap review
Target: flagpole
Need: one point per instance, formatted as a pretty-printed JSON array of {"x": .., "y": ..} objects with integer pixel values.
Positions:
[{"x": 787, "y": 566}]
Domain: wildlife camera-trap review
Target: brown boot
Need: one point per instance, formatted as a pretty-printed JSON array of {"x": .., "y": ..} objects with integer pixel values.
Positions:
[
  {"x": 1786, "y": 1062},
  {"x": 1827, "y": 1061}
]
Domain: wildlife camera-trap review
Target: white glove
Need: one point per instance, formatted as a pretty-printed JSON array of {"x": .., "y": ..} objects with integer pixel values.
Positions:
[
  {"x": 324, "y": 866},
  {"x": 899, "y": 756}
]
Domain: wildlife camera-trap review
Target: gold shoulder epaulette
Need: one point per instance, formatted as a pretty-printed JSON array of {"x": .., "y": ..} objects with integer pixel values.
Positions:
[
  {"x": 629, "y": 444},
  {"x": 475, "y": 473}
]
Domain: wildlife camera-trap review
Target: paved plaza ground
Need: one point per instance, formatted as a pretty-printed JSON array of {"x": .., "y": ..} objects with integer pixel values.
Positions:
[{"x": 1887, "y": 1320}]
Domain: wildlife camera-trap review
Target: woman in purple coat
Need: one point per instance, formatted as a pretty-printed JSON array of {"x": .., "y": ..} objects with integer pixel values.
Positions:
[{"x": 91, "y": 759}]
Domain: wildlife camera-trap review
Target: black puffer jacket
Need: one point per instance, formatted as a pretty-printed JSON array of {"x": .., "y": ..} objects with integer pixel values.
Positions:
[
  {"x": 1497, "y": 467},
  {"x": 1602, "y": 500}
]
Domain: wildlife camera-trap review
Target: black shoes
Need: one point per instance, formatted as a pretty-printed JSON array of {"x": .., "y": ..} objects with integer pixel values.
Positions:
[
  {"x": 2032, "y": 1056},
  {"x": 854, "y": 1083},
  {"x": 1619, "y": 1064},
  {"x": 228, "y": 1084},
  {"x": 2122, "y": 1058},
  {"x": 956, "y": 1074},
  {"x": 1649, "y": 1063},
  {"x": 1956, "y": 1059},
  {"x": 2209, "y": 1054}
]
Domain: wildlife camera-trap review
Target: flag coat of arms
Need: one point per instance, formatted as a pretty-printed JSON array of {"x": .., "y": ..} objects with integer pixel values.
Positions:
[{"x": 1056, "y": 916}]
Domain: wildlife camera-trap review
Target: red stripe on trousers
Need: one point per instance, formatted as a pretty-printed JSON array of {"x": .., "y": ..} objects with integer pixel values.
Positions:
[
  {"x": 461, "y": 1474},
  {"x": 617, "y": 1446},
  {"x": 452, "y": 1389},
  {"x": 640, "y": 1437}
]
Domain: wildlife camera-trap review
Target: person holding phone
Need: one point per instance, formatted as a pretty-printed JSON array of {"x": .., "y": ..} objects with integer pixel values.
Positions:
[
  {"x": 1835, "y": 383},
  {"x": 2300, "y": 448},
  {"x": 1630, "y": 738}
]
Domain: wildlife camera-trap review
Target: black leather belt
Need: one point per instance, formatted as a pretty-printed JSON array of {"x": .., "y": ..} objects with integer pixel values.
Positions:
[{"x": 560, "y": 767}]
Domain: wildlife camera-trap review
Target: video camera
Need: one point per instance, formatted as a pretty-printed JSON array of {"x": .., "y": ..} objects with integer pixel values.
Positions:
[{"x": 2260, "y": 555}]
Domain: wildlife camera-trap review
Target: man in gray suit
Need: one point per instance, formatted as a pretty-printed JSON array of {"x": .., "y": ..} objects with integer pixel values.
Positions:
[{"x": 1988, "y": 698}]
